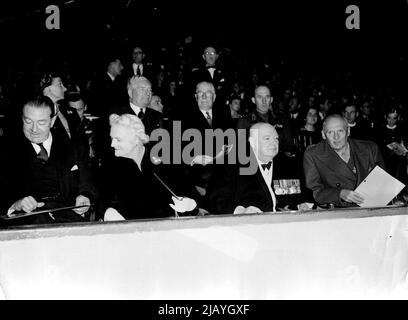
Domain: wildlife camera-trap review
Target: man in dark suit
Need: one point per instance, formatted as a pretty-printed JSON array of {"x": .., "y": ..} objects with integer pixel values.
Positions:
[
  {"x": 261, "y": 187},
  {"x": 108, "y": 89},
  {"x": 210, "y": 71},
  {"x": 45, "y": 170},
  {"x": 140, "y": 97},
  {"x": 202, "y": 118},
  {"x": 337, "y": 165},
  {"x": 138, "y": 67}
]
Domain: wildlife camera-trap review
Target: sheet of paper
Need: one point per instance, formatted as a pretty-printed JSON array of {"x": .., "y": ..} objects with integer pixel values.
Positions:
[{"x": 379, "y": 188}]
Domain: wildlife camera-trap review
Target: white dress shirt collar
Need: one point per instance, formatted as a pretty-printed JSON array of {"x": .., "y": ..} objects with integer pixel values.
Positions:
[
  {"x": 267, "y": 176},
  {"x": 110, "y": 76},
  {"x": 135, "y": 65},
  {"x": 204, "y": 112},
  {"x": 137, "y": 109},
  {"x": 47, "y": 145}
]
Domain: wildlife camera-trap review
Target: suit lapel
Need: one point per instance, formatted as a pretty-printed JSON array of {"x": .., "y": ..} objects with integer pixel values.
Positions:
[
  {"x": 330, "y": 157},
  {"x": 361, "y": 161},
  {"x": 130, "y": 110}
]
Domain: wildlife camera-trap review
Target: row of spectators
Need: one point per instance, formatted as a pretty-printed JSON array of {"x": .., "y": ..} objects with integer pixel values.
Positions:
[{"x": 295, "y": 104}]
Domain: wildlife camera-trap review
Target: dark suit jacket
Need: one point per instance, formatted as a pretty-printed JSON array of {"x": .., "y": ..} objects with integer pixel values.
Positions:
[
  {"x": 152, "y": 119},
  {"x": 149, "y": 72},
  {"x": 195, "y": 119},
  {"x": 220, "y": 79},
  {"x": 106, "y": 94},
  {"x": 326, "y": 173},
  {"x": 76, "y": 128},
  {"x": 72, "y": 182}
]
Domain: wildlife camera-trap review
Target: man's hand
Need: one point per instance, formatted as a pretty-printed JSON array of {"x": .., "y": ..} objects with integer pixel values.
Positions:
[
  {"x": 183, "y": 205},
  {"x": 82, "y": 201},
  {"x": 400, "y": 150},
  {"x": 27, "y": 204},
  {"x": 202, "y": 159},
  {"x": 351, "y": 196},
  {"x": 253, "y": 209}
]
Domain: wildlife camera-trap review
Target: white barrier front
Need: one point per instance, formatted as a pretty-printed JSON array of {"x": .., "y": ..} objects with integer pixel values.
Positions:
[{"x": 329, "y": 254}]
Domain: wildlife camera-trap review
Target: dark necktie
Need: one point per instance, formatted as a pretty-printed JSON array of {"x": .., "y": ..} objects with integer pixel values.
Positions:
[
  {"x": 138, "y": 71},
  {"x": 141, "y": 114},
  {"x": 43, "y": 155},
  {"x": 266, "y": 165},
  {"x": 208, "y": 117}
]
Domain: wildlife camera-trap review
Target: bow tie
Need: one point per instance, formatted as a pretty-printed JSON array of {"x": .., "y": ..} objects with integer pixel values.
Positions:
[{"x": 266, "y": 165}]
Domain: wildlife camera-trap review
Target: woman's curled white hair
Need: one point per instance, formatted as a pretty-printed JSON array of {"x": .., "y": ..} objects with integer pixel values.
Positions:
[{"x": 132, "y": 122}]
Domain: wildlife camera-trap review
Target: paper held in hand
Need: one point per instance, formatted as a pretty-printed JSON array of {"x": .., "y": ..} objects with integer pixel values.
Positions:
[{"x": 379, "y": 188}]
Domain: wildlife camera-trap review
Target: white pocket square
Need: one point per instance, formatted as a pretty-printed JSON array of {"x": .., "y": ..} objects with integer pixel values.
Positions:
[{"x": 74, "y": 168}]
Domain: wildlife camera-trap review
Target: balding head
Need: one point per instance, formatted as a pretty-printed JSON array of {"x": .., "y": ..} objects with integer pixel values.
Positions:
[
  {"x": 336, "y": 131},
  {"x": 334, "y": 118},
  {"x": 264, "y": 141}
]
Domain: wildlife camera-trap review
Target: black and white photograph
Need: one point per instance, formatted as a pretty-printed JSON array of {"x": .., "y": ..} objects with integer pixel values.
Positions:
[{"x": 203, "y": 156}]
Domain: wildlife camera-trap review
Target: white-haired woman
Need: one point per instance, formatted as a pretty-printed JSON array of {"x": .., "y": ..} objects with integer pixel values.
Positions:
[{"x": 134, "y": 189}]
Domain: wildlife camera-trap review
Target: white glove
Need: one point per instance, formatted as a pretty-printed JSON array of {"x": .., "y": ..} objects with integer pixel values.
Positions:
[
  {"x": 202, "y": 159},
  {"x": 112, "y": 215},
  {"x": 183, "y": 205},
  {"x": 250, "y": 209}
]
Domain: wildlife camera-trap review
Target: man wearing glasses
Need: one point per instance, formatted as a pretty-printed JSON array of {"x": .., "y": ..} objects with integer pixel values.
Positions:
[
  {"x": 203, "y": 116},
  {"x": 212, "y": 72}
]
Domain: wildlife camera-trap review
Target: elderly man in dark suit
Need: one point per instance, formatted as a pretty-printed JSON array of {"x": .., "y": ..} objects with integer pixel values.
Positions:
[
  {"x": 204, "y": 118},
  {"x": 262, "y": 187},
  {"x": 140, "y": 97},
  {"x": 337, "y": 165},
  {"x": 45, "y": 170}
]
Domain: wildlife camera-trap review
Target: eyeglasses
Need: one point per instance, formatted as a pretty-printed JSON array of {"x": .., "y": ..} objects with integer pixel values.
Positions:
[{"x": 209, "y": 53}]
